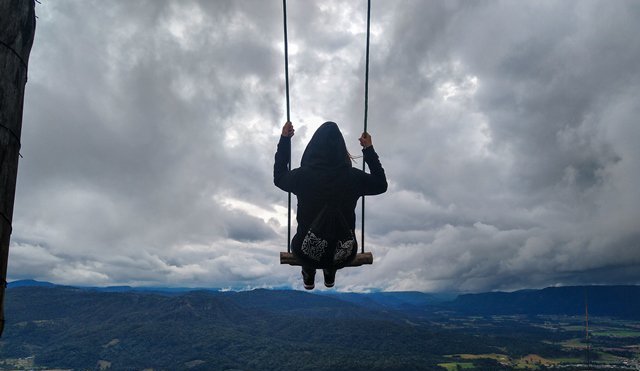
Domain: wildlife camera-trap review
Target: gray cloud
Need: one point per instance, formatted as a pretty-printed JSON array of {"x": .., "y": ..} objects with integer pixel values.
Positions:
[{"x": 508, "y": 132}]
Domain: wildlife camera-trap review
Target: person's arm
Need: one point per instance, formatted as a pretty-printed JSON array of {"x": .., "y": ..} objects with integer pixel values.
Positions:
[
  {"x": 282, "y": 177},
  {"x": 374, "y": 183}
]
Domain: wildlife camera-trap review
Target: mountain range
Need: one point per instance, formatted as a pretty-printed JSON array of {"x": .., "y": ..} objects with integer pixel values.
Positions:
[{"x": 125, "y": 328}]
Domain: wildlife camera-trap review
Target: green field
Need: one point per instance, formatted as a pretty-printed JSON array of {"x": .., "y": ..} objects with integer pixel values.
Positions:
[
  {"x": 530, "y": 361},
  {"x": 454, "y": 366},
  {"x": 611, "y": 342},
  {"x": 617, "y": 333}
]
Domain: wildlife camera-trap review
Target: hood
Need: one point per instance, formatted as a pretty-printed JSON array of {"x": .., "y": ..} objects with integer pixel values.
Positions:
[{"x": 326, "y": 149}]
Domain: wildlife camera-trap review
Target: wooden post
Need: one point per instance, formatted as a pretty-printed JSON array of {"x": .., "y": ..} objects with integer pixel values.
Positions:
[{"x": 17, "y": 29}]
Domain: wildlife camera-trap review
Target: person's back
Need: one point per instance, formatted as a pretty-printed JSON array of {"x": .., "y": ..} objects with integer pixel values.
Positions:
[{"x": 325, "y": 179}]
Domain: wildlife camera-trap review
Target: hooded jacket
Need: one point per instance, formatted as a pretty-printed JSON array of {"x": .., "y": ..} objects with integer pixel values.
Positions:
[{"x": 326, "y": 176}]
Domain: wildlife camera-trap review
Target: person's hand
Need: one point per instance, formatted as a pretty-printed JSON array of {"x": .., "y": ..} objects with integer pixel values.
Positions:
[
  {"x": 365, "y": 140},
  {"x": 287, "y": 130}
]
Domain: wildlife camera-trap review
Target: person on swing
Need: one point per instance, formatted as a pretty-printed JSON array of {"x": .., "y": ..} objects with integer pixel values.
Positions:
[{"x": 326, "y": 178}]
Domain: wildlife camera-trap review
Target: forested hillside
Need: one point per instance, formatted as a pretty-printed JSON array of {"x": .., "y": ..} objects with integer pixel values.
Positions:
[
  {"x": 615, "y": 301},
  {"x": 76, "y": 328},
  {"x": 173, "y": 329}
]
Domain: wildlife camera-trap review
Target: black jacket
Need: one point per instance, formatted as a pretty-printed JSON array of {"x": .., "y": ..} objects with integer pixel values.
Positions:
[{"x": 326, "y": 175}]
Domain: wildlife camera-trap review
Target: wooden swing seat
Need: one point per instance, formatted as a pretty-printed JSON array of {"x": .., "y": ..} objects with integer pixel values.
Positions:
[{"x": 360, "y": 259}]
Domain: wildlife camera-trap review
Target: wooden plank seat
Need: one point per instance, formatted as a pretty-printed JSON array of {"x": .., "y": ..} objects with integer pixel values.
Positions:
[{"x": 360, "y": 259}]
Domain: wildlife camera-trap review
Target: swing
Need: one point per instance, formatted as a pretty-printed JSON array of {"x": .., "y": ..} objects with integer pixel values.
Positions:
[{"x": 362, "y": 257}]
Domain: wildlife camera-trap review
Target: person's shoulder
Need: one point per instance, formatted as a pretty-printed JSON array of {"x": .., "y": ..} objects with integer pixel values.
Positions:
[
  {"x": 354, "y": 171},
  {"x": 304, "y": 171}
]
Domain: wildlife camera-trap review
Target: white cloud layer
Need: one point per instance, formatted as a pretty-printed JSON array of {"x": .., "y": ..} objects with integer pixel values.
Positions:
[{"x": 508, "y": 130}]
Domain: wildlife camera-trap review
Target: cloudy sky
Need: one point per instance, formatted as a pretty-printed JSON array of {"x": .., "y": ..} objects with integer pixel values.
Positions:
[{"x": 509, "y": 132}]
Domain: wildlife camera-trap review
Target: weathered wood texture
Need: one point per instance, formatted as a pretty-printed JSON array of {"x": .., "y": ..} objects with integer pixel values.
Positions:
[
  {"x": 17, "y": 29},
  {"x": 360, "y": 259}
]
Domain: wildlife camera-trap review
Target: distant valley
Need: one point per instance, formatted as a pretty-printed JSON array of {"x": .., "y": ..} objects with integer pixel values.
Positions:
[{"x": 123, "y": 328}]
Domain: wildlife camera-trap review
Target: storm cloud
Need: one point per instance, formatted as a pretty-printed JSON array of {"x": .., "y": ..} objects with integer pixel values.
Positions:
[{"x": 508, "y": 132}]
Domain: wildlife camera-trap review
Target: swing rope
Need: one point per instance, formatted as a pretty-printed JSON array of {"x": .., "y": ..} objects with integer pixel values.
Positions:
[
  {"x": 286, "y": 78},
  {"x": 366, "y": 107}
]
